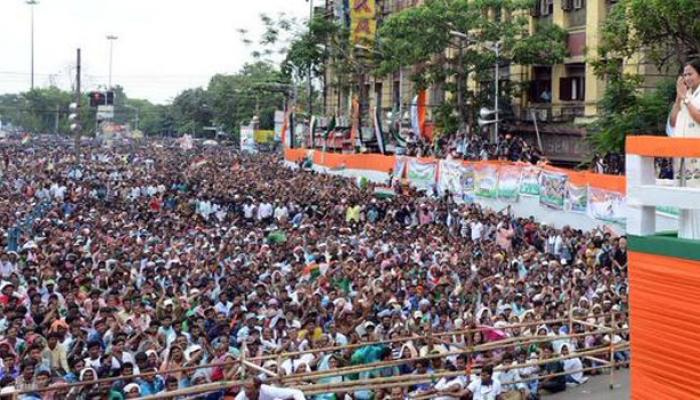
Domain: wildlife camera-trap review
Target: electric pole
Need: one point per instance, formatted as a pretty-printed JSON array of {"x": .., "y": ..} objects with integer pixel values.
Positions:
[
  {"x": 111, "y": 39},
  {"x": 31, "y": 4},
  {"x": 78, "y": 127}
]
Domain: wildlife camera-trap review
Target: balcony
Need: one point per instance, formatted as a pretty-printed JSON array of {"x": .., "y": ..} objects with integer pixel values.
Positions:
[{"x": 571, "y": 111}]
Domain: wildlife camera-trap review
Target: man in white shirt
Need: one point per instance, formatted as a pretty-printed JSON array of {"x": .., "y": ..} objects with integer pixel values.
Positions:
[
  {"x": 509, "y": 377},
  {"x": 248, "y": 210},
  {"x": 265, "y": 211},
  {"x": 256, "y": 390},
  {"x": 477, "y": 228},
  {"x": 485, "y": 387},
  {"x": 281, "y": 212}
]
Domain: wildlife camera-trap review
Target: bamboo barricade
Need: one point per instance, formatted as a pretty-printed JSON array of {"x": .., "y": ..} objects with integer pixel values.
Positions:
[
  {"x": 413, "y": 337},
  {"x": 383, "y": 364},
  {"x": 249, "y": 361},
  {"x": 388, "y": 382},
  {"x": 425, "y": 378},
  {"x": 207, "y": 387}
]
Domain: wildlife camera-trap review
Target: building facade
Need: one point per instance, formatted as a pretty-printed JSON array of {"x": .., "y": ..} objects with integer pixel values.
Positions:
[{"x": 562, "y": 98}]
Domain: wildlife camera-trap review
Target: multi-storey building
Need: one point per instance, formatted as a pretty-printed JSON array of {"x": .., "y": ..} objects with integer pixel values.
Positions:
[{"x": 563, "y": 98}]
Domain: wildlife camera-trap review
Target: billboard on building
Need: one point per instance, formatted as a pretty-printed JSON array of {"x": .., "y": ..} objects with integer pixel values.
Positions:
[
  {"x": 363, "y": 21},
  {"x": 264, "y": 136},
  {"x": 248, "y": 139}
]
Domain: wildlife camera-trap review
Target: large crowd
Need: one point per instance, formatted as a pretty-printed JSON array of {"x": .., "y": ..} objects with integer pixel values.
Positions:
[{"x": 145, "y": 258}]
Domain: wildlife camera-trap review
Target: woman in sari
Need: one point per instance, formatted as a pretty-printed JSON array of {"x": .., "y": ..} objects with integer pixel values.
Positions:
[
  {"x": 684, "y": 121},
  {"x": 329, "y": 362}
]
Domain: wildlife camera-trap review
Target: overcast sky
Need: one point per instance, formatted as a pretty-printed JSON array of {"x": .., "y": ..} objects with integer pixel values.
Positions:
[{"x": 164, "y": 46}]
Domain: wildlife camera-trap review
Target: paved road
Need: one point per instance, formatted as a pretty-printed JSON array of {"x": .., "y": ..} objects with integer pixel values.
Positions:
[{"x": 597, "y": 388}]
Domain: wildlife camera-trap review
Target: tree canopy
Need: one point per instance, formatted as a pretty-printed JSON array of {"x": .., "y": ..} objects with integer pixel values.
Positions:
[
  {"x": 663, "y": 32},
  {"x": 423, "y": 36}
]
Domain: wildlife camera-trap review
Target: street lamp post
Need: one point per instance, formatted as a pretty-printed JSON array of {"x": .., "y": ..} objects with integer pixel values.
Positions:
[
  {"x": 31, "y": 4},
  {"x": 311, "y": 103},
  {"x": 496, "y": 48},
  {"x": 111, "y": 39}
]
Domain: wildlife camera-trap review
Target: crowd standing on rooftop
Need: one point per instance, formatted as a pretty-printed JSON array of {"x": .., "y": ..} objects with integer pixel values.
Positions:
[{"x": 147, "y": 258}]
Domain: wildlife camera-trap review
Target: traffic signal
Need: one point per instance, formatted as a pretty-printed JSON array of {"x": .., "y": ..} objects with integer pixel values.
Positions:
[
  {"x": 97, "y": 99},
  {"x": 74, "y": 118},
  {"x": 110, "y": 98}
]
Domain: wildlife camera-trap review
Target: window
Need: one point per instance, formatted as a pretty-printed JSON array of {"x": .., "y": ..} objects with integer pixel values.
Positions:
[
  {"x": 579, "y": 4},
  {"x": 541, "y": 85},
  {"x": 572, "y": 89},
  {"x": 397, "y": 95},
  {"x": 546, "y": 7},
  {"x": 378, "y": 95}
]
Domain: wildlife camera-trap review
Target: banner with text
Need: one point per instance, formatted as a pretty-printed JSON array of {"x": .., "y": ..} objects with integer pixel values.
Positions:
[
  {"x": 509, "y": 182},
  {"x": 451, "y": 177},
  {"x": 553, "y": 189},
  {"x": 485, "y": 180},
  {"x": 422, "y": 175},
  {"x": 606, "y": 205},
  {"x": 530, "y": 181},
  {"x": 400, "y": 167},
  {"x": 577, "y": 198},
  {"x": 363, "y": 21}
]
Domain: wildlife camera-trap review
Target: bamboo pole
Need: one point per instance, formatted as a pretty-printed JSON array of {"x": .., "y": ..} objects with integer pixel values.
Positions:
[
  {"x": 422, "y": 378},
  {"x": 259, "y": 369},
  {"x": 432, "y": 395},
  {"x": 488, "y": 346},
  {"x": 382, "y": 383},
  {"x": 383, "y": 364},
  {"x": 598, "y": 360},
  {"x": 612, "y": 353},
  {"x": 244, "y": 349},
  {"x": 592, "y": 325},
  {"x": 207, "y": 387},
  {"x": 406, "y": 338}
]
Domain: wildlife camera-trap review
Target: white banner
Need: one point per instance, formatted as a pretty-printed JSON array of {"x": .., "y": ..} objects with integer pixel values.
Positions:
[
  {"x": 248, "y": 139},
  {"x": 450, "y": 178},
  {"x": 422, "y": 175},
  {"x": 606, "y": 205}
]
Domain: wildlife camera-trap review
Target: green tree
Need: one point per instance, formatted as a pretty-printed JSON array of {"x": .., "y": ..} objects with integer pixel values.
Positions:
[
  {"x": 625, "y": 110},
  {"x": 191, "y": 111},
  {"x": 422, "y": 36},
  {"x": 258, "y": 88},
  {"x": 665, "y": 32}
]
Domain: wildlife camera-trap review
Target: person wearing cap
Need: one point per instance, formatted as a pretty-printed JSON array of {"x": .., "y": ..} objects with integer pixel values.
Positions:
[{"x": 132, "y": 391}]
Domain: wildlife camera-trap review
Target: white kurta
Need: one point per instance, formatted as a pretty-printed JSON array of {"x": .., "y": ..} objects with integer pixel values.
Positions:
[{"x": 689, "y": 226}]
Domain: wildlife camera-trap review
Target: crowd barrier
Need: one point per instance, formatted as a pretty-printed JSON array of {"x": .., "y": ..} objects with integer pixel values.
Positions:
[
  {"x": 600, "y": 197},
  {"x": 312, "y": 382}
]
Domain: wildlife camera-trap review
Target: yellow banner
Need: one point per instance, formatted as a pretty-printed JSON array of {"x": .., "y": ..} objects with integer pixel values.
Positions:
[
  {"x": 264, "y": 136},
  {"x": 363, "y": 21}
]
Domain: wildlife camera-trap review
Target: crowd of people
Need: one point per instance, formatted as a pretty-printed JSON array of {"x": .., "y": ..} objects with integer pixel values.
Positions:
[
  {"x": 144, "y": 259},
  {"x": 474, "y": 147}
]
